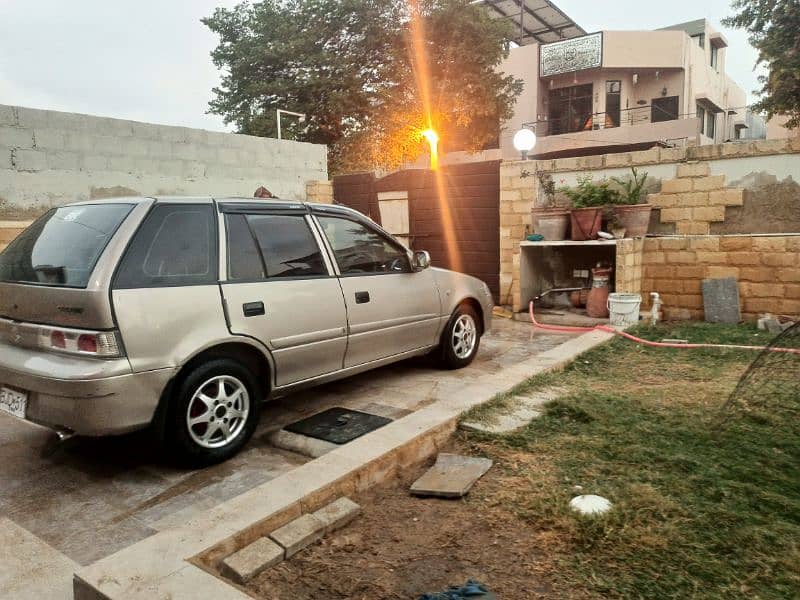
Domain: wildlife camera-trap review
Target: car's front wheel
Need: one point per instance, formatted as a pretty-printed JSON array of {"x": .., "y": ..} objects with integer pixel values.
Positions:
[
  {"x": 460, "y": 339},
  {"x": 214, "y": 412}
]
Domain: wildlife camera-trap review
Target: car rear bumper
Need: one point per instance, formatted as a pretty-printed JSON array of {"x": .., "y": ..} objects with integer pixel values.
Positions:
[{"x": 87, "y": 396}]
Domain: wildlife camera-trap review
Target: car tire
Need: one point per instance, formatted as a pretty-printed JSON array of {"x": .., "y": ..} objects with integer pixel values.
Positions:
[
  {"x": 461, "y": 338},
  {"x": 214, "y": 412}
]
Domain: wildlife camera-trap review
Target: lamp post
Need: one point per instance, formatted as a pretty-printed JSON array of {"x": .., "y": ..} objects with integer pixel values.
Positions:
[
  {"x": 524, "y": 141},
  {"x": 300, "y": 117}
]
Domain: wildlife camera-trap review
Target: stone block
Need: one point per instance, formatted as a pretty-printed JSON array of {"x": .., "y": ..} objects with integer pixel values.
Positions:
[
  {"x": 252, "y": 560},
  {"x": 792, "y": 291},
  {"x": 94, "y": 163},
  {"x": 29, "y": 160},
  {"x": 620, "y": 159},
  {"x": 694, "y": 169},
  {"x": 784, "y": 259},
  {"x": 676, "y": 243},
  {"x": 673, "y": 154},
  {"x": 720, "y": 272},
  {"x": 33, "y": 117},
  {"x": 706, "y": 184},
  {"x": 736, "y": 243},
  {"x": 692, "y": 228},
  {"x": 5, "y": 158},
  {"x": 744, "y": 258},
  {"x": 710, "y": 244},
  {"x": 669, "y": 215},
  {"x": 766, "y": 290},
  {"x": 730, "y": 197},
  {"x": 721, "y": 300},
  {"x": 709, "y": 213},
  {"x": 16, "y": 137},
  {"x": 790, "y": 275},
  {"x": 298, "y": 534},
  {"x": 769, "y": 244},
  {"x": 789, "y": 307},
  {"x": 694, "y": 199},
  {"x": 712, "y": 258},
  {"x": 337, "y": 514},
  {"x": 676, "y": 186}
]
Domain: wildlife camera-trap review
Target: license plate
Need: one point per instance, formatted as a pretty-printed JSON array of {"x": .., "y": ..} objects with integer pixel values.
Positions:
[{"x": 13, "y": 402}]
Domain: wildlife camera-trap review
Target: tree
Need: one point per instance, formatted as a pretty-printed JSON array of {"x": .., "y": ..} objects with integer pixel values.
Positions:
[
  {"x": 774, "y": 28},
  {"x": 351, "y": 66}
]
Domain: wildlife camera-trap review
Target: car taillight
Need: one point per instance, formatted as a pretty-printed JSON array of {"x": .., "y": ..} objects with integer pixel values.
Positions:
[{"x": 102, "y": 344}]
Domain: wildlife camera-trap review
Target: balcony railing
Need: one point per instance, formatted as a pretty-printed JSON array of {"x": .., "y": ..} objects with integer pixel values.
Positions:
[{"x": 627, "y": 117}]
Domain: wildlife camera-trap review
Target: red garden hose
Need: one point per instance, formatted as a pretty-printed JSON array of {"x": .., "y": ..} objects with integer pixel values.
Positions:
[{"x": 609, "y": 329}]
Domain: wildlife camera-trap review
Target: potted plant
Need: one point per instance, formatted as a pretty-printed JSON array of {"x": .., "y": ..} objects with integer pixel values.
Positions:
[
  {"x": 629, "y": 210},
  {"x": 549, "y": 220},
  {"x": 588, "y": 201}
]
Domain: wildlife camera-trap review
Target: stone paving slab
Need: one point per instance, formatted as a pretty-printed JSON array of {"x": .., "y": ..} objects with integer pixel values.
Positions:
[
  {"x": 451, "y": 477},
  {"x": 337, "y": 514},
  {"x": 31, "y": 569},
  {"x": 524, "y": 409},
  {"x": 298, "y": 534},
  {"x": 251, "y": 560}
]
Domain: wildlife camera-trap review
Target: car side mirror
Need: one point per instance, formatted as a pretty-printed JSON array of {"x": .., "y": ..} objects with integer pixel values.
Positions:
[{"x": 422, "y": 260}]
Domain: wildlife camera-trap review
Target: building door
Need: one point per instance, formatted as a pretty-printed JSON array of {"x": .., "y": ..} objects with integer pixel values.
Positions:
[
  {"x": 613, "y": 103},
  {"x": 664, "y": 109},
  {"x": 570, "y": 109}
]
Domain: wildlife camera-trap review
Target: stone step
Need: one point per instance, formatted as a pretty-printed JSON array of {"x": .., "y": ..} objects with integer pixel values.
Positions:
[
  {"x": 522, "y": 410},
  {"x": 337, "y": 514},
  {"x": 251, "y": 560}
]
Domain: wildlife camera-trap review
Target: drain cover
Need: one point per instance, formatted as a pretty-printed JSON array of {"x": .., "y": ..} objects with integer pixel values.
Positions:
[{"x": 338, "y": 425}]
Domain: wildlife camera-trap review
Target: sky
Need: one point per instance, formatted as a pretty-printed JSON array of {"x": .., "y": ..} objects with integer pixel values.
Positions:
[{"x": 148, "y": 60}]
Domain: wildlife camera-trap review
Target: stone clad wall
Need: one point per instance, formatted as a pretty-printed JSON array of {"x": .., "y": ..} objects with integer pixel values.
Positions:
[
  {"x": 697, "y": 193},
  {"x": 766, "y": 267},
  {"x": 50, "y": 158}
]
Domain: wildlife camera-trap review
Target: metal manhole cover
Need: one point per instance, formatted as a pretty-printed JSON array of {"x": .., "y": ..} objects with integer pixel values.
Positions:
[{"x": 338, "y": 425}]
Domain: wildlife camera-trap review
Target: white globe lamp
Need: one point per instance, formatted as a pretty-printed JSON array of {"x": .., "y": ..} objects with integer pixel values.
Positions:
[{"x": 524, "y": 141}]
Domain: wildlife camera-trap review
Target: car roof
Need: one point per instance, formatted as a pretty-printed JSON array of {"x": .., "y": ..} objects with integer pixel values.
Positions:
[{"x": 240, "y": 200}]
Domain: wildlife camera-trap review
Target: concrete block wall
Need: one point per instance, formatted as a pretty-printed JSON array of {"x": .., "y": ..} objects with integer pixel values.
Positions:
[
  {"x": 629, "y": 266},
  {"x": 766, "y": 267},
  {"x": 49, "y": 158},
  {"x": 518, "y": 190}
]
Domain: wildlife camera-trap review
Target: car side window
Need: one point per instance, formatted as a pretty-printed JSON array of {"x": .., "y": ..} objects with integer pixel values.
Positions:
[
  {"x": 361, "y": 250},
  {"x": 272, "y": 246},
  {"x": 175, "y": 246}
]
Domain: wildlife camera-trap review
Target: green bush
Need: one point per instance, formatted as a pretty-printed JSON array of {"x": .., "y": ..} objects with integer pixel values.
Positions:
[{"x": 588, "y": 194}]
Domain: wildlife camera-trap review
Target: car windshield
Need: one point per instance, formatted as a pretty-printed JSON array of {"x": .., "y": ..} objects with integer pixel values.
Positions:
[{"x": 62, "y": 247}]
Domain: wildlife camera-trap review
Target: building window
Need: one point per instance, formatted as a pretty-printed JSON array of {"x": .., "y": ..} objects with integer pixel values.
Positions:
[
  {"x": 700, "y": 39},
  {"x": 701, "y": 114},
  {"x": 664, "y": 109},
  {"x": 711, "y": 124},
  {"x": 613, "y": 103},
  {"x": 570, "y": 109},
  {"x": 714, "y": 57}
]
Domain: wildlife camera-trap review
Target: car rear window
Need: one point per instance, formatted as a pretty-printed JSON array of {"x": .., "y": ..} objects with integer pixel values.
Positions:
[{"x": 62, "y": 248}]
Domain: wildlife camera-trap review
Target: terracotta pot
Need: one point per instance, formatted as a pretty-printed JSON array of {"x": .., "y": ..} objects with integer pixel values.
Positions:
[
  {"x": 597, "y": 302},
  {"x": 553, "y": 226},
  {"x": 635, "y": 218},
  {"x": 586, "y": 223}
]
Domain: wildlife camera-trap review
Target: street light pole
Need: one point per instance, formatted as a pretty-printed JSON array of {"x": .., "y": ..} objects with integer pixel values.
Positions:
[{"x": 301, "y": 117}]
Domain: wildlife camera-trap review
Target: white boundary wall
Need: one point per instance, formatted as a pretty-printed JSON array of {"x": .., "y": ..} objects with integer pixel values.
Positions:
[{"x": 49, "y": 158}]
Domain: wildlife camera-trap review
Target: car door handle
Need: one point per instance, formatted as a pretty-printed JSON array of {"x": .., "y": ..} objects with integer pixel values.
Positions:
[
  {"x": 362, "y": 297},
  {"x": 253, "y": 309}
]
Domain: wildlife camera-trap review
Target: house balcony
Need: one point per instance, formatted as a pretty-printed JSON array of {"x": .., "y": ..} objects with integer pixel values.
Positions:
[{"x": 598, "y": 133}]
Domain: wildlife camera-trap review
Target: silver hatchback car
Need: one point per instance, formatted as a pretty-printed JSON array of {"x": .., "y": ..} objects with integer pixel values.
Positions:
[{"x": 185, "y": 313}]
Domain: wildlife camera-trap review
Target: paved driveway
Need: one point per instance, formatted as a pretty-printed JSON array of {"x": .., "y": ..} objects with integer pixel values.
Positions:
[{"x": 93, "y": 497}]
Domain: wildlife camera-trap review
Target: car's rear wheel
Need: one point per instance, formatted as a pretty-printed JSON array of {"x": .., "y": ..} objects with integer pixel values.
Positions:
[
  {"x": 214, "y": 412},
  {"x": 460, "y": 339}
]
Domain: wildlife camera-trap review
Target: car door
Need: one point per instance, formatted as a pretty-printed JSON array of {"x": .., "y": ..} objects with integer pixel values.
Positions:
[
  {"x": 280, "y": 288},
  {"x": 391, "y": 308}
]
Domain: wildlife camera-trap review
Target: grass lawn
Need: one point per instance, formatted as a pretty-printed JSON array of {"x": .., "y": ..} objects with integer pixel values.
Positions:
[{"x": 699, "y": 511}]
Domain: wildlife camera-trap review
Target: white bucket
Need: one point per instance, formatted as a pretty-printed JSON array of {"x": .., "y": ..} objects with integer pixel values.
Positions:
[{"x": 623, "y": 309}]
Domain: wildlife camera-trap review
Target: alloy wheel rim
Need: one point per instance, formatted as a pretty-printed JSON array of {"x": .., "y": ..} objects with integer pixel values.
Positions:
[
  {"x": 217, "y": 412},
  {"x": 465, "y": 334}
]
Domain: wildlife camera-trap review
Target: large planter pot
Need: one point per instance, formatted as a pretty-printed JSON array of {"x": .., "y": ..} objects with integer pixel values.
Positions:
[
  {"x": 552, "y": 225},
  {"x": 539, "y": 212},
  {"x": 585, "y": 223},
  {"x": 635, "y": 218}
]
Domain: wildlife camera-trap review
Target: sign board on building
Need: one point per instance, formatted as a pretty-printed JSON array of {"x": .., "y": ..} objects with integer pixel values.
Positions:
[{"x": 571, "y": 55}]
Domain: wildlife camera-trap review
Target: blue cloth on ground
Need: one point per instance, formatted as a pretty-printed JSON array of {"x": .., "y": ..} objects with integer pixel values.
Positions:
[{"x": 472, "y": 590}]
